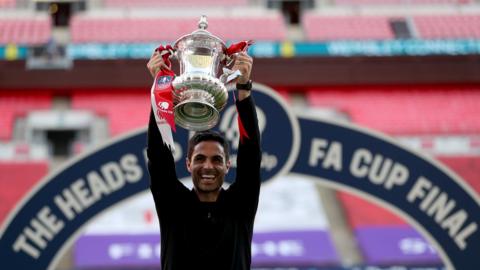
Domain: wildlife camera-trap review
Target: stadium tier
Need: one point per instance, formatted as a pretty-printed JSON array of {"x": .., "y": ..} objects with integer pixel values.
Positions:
[
  {"x": 8, "y": 3},
  {"x": 25, "y": 31},
  {"x": 172, "y": 3},
  {"x": 85, "y": 28},
  {"x": 16, "y": 179},
  {"x": 467, "y": 167},
  {"x": 399, "y": 2},
  {"x": 17, "y": 104},
  {"x": 124, "y": 111},
  {"x": 448, "y": 26},
  {"x": 322, "y": 27},
  {"x": 405, "y": 110},
  {"x": 352, "y": 27},
  {"x": 360, "y": 212}
]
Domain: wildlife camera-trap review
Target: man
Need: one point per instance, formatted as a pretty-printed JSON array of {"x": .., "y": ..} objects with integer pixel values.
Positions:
[{"x": 208, "y": 227}]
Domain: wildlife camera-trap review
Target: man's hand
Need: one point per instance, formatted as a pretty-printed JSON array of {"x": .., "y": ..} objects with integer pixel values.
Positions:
[
  {"x": 156, "y": 63},
  {"x": 243, "y": 62}
]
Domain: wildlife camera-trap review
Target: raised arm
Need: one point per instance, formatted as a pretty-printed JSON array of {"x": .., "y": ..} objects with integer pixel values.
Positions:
[
  {"x": 161, "y": 164},
  {"x": 164, "y": 183},
  {"x": 247, "y": 181}
]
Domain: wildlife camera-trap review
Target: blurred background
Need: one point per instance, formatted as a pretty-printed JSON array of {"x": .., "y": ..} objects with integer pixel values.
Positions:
[{"x": 73, "y": 75}]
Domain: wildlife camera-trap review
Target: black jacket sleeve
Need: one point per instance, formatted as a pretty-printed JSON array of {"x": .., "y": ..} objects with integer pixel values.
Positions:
[
  {"x": 247, "y": 181},
  {"x": 164, "y": 183}
]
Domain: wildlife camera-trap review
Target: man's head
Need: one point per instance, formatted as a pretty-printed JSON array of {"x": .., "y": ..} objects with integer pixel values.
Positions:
[{"x": 208, "y": 162}]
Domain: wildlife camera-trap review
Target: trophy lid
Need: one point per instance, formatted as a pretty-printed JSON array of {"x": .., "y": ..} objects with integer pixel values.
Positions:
[{"x": 200, "y": 35}]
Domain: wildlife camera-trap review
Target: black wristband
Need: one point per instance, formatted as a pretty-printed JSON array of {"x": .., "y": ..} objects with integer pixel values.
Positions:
[{"x": 245, "y": 86}]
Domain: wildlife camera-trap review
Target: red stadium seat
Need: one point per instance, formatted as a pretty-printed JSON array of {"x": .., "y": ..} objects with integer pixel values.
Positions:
[
  {"x": 406, "y": 110},
  {"x": 124, "y": 111},
  {"x": 172, "y": 3},
  {"x": 8, "y": 3},
  {"x": 25, "y": 31},
  {"x": 321, "y": 27},
  {"x": 448, "y": 26},
  {"x": 15, "y": 104},
  {"x": 360, "y": 212},
  {"x": 86, "y": 29},
  {"x": 399, "y": 2},
  {"x": 16, "y": 179},
  {"x": 467, "y": 167}
]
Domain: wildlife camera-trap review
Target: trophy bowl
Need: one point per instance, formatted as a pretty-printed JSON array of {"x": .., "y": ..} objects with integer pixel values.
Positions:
[{"x": 198, "y": 93}]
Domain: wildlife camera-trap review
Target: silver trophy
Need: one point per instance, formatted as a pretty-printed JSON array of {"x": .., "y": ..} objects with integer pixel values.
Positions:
[{"x": 199, "y": 92}]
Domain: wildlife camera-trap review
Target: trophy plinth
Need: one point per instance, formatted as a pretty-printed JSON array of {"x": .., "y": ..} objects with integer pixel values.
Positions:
[{"x": 198, "y": 93}]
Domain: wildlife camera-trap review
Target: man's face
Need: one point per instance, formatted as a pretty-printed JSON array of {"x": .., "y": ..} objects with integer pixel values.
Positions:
[{"x": 208, "y": 167}]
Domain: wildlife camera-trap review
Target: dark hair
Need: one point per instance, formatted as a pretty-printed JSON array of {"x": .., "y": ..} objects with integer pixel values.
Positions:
[{"x": 207, "y": 135}]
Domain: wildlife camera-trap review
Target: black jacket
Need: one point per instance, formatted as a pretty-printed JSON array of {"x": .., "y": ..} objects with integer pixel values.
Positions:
[{"x": 201, "y": 235}]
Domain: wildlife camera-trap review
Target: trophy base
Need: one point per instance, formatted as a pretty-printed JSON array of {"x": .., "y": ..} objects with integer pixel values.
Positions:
[
  {"x": 215, "y": 89},
  {"x": 196, "y": 113},
  {"x": 197, "y": 100}
]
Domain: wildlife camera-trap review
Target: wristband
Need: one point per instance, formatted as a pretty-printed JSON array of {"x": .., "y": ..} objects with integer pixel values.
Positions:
[{"x": 245, "y": 86}]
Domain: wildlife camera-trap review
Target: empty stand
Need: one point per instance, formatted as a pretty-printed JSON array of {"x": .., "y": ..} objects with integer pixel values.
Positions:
[
  {"x": 8, "y": 3},
  {"x": 399, "y": 2},
  {"x": 448, "y": 26},
  {"x": 406, "y": 110},
  {"x": 343, "y": 27},
  {"x": 17, "y": 104},
  {"x": 269, "y": 27},
  {"x": 86, "y": 29},
  {"x": 360, "y": 212},
  {"x": 16, "y": 179},
  {"x": 467, "y": 167},
  {"x": 172, "y": 3},
  {"x": 124, "y": 111},
  {"x": 25, "y": 30}
]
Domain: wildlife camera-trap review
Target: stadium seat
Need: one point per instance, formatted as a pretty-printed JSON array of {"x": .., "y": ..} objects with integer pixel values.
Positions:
[
  {"x": 25, "y": 31},
  {"x": 124, "y": 111},
  {"x": 467, "y": 167},
  {"x": 8, "y": 4},
  {"x": 448, "y": 26},
  {"x": 172, "y": 3},
  {"x": 360, "y": 212},
  {"x": 16, "y": 104},
  {"x": 16, "y": 179},
  {"x": 342, "y": 27},
  {"x": 85, "y": 29},
  {"x": 399, "y": 2},
  {"x": 406, "y": 110}
]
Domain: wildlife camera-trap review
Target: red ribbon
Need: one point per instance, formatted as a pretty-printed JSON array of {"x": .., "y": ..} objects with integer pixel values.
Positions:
[
  {"x": 238, "y": 47},
  {"x": 163, "y": 88}
]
